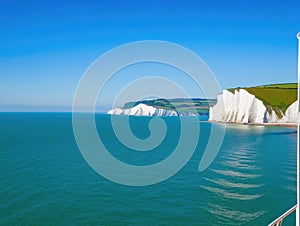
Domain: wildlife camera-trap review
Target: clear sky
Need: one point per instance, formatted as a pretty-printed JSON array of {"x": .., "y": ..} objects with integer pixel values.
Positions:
[{"x": 45, "y": 46}]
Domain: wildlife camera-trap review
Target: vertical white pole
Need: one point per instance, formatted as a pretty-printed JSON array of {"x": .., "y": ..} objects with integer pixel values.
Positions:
[{"x": 297, "y": 156}]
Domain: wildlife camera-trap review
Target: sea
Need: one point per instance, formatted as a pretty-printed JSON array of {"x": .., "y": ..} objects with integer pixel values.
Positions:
[{"x": 45, "y": 180}]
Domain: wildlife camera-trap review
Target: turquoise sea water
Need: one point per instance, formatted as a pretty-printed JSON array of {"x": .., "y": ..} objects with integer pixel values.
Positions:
[{"x": 45, "y": 180}]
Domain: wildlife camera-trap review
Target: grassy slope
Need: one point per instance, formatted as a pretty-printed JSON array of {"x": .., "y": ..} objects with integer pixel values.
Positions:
[
  {"x": 281, "y": 86},
  {"x": 276, "y": 96}
]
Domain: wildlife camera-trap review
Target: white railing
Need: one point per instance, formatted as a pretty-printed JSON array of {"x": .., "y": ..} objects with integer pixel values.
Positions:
[{"x": 279, "y": 220}]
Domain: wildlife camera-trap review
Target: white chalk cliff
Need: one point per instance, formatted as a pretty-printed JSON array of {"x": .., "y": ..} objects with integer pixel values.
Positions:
[
  {"x": 292, "y": 113},
  {"x": 243, "y": 107},
  {"x": 142, "y": 110}
]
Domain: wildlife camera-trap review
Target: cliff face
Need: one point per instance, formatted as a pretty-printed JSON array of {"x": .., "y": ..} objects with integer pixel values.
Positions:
[
  {"x": 291, "y": 114},
  {"x": 243, "y": 107},
  {"x": 142, "y": 110}
]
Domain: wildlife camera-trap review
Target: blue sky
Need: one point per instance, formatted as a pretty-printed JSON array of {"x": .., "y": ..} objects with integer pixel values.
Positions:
[{"x": 45, "y": 46}]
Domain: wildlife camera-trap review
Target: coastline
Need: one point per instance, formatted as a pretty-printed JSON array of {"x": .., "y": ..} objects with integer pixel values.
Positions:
[{"x": 290, "y": 125}]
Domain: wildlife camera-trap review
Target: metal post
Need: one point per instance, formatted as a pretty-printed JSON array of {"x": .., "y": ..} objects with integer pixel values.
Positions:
[
  {"x": 279, "y": 220},
  {"x": 297, "y": 156}
]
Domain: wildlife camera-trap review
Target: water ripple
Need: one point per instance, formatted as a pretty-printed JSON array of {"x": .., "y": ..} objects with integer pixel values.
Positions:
[
  {"x": 291, "y": 188},
  {"x": 245, "y": 153},
  {"x": 227, "y": 215},
  {"x": 229, "y": 184},
  {"x": 235, "y": 158},
  {"x": 290, "y": 178},
  {"x": 243, "y": 157},
  {"x": 230, "y": 195},
  {"x": 236, "y": 174},
  {"x": 238, "y": 164}
]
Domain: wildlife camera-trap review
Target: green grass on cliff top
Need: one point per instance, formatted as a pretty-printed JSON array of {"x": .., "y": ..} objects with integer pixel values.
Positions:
[{"x": 275, "y": 96}]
